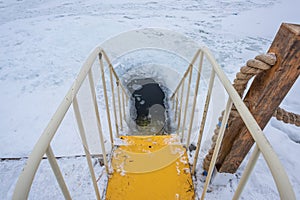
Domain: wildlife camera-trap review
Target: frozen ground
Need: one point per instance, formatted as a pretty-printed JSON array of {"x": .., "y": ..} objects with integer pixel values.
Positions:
[{"x": 44, "y": 43}]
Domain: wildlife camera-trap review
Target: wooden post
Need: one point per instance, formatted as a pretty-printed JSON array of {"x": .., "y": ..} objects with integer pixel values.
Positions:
[{"x": 264, "y": 96}]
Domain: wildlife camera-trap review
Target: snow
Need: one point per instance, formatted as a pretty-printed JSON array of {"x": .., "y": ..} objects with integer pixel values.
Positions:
[
  {"x": 46, "y": 179},
  {"x": 263, "y": 21},
  {"x": 43, "y": 44}
]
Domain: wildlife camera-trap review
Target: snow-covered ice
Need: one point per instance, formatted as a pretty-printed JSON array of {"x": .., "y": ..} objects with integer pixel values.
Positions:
[{"x": 43, "y": 44}]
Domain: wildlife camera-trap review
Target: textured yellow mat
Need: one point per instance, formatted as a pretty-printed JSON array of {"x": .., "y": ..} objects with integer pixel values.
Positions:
[{"x": 150, "y": 167}]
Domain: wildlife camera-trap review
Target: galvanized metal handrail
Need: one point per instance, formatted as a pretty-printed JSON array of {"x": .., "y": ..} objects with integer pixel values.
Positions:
[
  {"x": 43, "y": 147},
  {"x": 281, "y": 179}
]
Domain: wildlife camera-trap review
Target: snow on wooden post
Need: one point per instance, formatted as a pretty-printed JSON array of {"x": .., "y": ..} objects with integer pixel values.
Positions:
[{"x": 264, "y": 96}]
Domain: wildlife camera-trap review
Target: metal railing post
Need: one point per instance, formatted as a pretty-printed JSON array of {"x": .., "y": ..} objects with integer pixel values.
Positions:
[
  {"x": 180, "y": 104},
  {"x": 207, "y": 102},
  {"x": 176, "y": 106},
  {"x": 195, "y": 99},
  {"x": 99, "y": 126},
  {"x": 113, "y": 100},
  {"x": 106, "y": 98},
  {"x": 119, "y": 84},
  {"x": 173, "y": 103},
  {"x": 187, "y": 98},
  {"x": 57, "y": 173},
  {"x": 247, "y": 171},
  {"x": 217, "y": 147},
  {"x": 123, "y": 104},
  {"x": 119, "y": 102},
  {"x": 85, "y": 146}
]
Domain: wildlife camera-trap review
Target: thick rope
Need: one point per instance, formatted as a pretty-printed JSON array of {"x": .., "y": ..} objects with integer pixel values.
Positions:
[
  {"x": 253, "y": 67},
  {"x": 287, "y": 117}
]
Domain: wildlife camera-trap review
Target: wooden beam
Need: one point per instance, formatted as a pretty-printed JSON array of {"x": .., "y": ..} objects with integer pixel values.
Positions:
[{"x": 264, "y": 96}]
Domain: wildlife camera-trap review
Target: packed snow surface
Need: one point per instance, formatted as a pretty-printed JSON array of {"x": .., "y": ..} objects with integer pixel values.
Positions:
[{"x": 43, "y": 45}]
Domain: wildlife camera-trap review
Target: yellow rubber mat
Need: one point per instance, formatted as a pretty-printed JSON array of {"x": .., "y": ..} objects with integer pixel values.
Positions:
[{"x": 150, "y": 167}]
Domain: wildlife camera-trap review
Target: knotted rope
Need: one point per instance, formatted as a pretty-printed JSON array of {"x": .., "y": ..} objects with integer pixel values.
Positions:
[{"x": 253, "y": 67}]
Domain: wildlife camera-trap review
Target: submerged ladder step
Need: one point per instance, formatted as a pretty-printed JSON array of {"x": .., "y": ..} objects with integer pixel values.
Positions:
[{"x": 150, "y": 167}]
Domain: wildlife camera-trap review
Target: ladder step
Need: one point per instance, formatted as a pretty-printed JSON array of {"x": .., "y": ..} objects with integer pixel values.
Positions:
[{"x": 150, "y": 167}]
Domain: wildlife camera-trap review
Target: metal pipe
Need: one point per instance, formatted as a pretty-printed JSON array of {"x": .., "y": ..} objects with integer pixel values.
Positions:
[
  {"x": 106, "y": 99},
  {"x": 120, "y": 85},
  {"x": 99, "y": 126},
  {"x": 85, "y": 146},
  {"x": 119, "y": 102},
  {"x": 249, "y": 168},
  {"x": 187, "y": 99},
  {"x": 195, "y": 99},
  {"x": 57, "y": 173},
  {"x": 123, "y": 104},
  {"x": 217, "y": 147},
  {"x": 180, "y": 106},
  {"x": 207, "y": 102},
  {"x": 173, "y": 103},
  {"x": 113, "y": 101},
  {"x": 176, "y": 108}
]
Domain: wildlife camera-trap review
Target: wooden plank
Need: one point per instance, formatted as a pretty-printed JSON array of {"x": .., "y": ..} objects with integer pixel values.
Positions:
[{"x": 263, "y": 98}]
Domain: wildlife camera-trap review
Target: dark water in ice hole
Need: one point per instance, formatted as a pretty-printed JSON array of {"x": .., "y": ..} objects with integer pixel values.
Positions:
[{"x": 149, "y": 106}]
